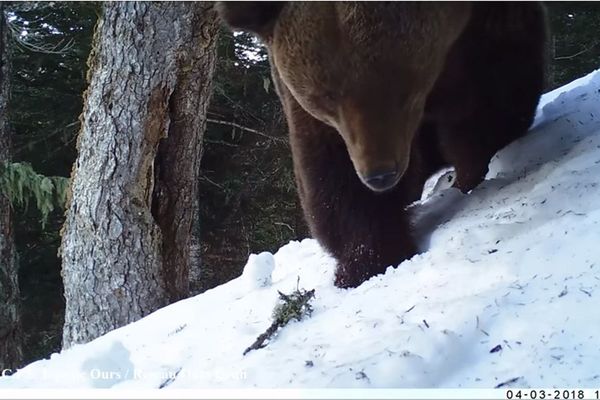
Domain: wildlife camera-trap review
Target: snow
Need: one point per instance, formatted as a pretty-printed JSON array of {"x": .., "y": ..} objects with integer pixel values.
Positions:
[
  {"x": 505, "y": 290},
  {"x": 258, "y": 271}
]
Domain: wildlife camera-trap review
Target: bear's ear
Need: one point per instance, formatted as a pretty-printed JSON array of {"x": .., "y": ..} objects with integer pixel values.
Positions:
[{"x": 254, "y": 16}]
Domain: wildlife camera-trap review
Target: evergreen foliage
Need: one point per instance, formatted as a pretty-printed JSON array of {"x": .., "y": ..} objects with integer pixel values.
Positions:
[
  {"x": 20, "y": 183},
  {"x": 294, "y": 306}
]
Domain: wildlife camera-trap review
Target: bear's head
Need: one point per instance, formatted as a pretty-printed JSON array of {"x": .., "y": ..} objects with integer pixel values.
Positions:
[{"x": 364, "y": 68}]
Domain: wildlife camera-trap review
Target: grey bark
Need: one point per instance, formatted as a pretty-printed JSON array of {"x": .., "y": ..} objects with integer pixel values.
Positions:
[
  {"x": 112, "y": 247},
  {"x": 176, "y": 199},
  {"x": 11, "y": 354}
]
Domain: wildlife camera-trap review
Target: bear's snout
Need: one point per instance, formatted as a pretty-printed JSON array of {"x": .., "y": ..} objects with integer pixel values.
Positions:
[{"x": 382, "y": 180}]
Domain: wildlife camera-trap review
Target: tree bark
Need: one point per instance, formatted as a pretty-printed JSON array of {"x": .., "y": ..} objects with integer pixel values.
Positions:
[
  {"x": 143, "y": 65},
  {"x": 176, "y": 199},
  {"x": 11, "y": 353}
]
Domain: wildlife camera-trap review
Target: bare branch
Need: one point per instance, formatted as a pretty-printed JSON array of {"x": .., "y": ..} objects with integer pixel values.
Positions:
[
  {"x": 207, "y": 179},
  {"x": 572, "y": 56},
  {"x": 245, "y": 128},
  {"x": 221, "y": 142},
  {"x": 286, "y": 225},
  {"x": 46, "y": 137}
]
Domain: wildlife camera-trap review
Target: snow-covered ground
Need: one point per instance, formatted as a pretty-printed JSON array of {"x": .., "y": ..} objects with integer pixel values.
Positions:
[{"x": 506, "y": 290}]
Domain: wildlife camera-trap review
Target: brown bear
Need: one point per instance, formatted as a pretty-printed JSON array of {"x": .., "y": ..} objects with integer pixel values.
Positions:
[{"x": 380, "y": 95}]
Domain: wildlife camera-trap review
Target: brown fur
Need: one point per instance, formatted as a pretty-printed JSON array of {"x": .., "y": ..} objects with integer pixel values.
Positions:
[{"x": 375, "y": 86}]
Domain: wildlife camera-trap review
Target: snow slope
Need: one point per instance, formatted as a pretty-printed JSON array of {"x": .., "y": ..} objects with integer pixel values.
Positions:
[{"x": 507, "y": 289}]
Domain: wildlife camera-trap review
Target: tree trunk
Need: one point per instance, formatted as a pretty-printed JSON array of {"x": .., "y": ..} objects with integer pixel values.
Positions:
[
  {"x": 176, "y": 199},
  {"x": 11, "y": 354},
  {"x": 143, "y": 63}
]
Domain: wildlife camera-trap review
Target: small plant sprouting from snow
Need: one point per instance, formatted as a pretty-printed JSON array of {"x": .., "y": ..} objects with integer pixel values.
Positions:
[{"x": 294, "y": 306}]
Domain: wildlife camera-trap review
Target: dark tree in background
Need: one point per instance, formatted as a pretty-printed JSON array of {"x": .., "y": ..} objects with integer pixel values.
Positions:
[
  {"x": 574, "y": 41},
  {"x": 50, "y": 47},
  {"x": 11, "y": 354},
  {"x": 246, "y": 195},
  {"x": 247, "y": 191}
]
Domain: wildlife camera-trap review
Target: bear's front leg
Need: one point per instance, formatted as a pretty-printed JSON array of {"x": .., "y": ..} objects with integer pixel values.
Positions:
[
  {"x": 470, "y": 146},
  {"x": 363, "y": 230},
  {"x": 368, "y": 243}
]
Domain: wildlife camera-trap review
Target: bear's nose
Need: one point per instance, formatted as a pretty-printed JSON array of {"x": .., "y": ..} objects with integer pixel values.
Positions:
[{"x": 381, "y": 181}]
